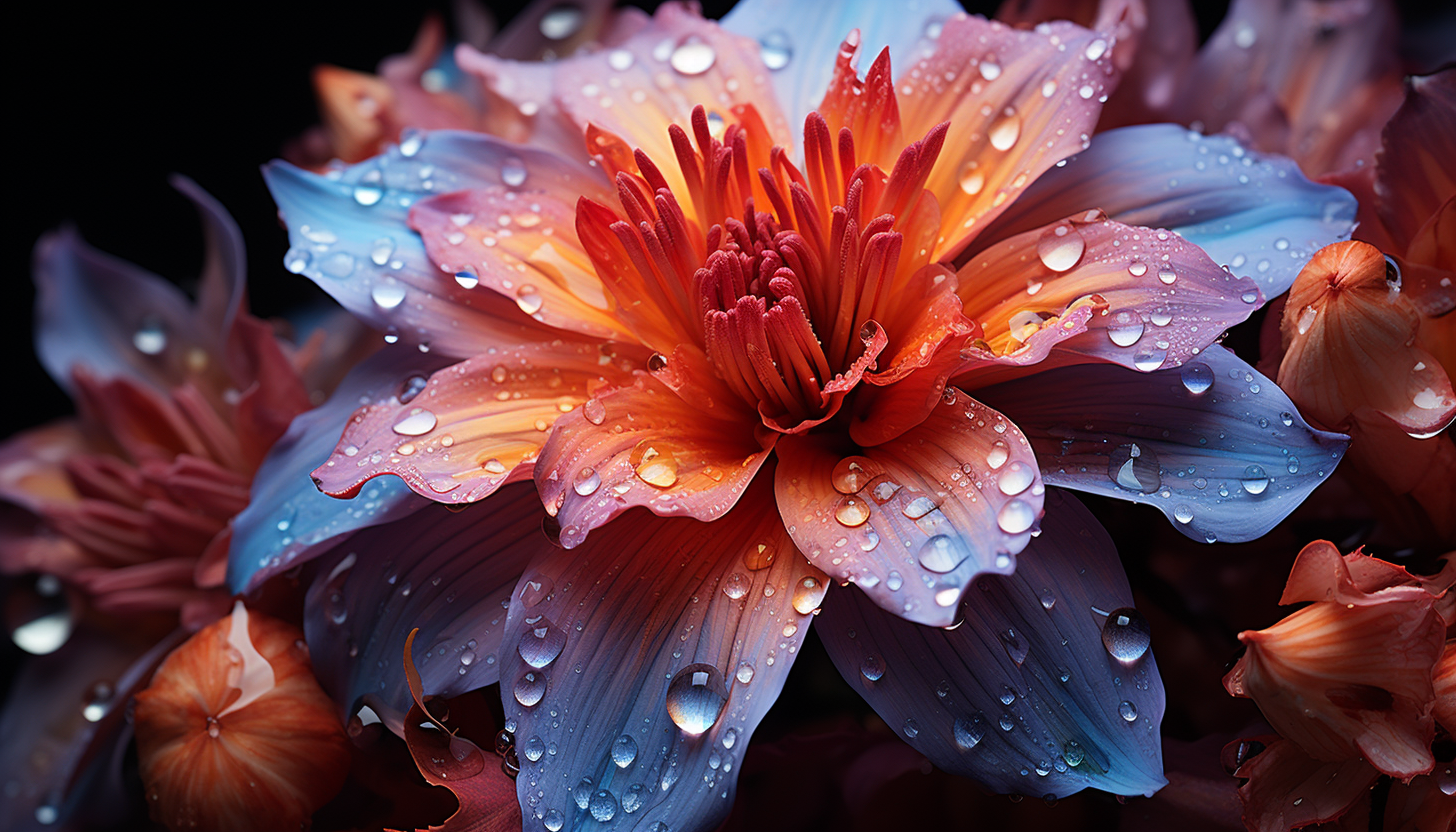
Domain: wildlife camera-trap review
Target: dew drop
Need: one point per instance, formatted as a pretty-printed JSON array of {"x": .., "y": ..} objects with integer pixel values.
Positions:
[
  {"x": 872, "y": 668},
  {"x": 624, "y": 751},
  {"x": 736, "y": 586},
  {"x": 467, "y": 279},
  {"x": 972, "y": 181},
  {"x": 1061, "y": 247},
  {"x": 808, "y": 594},
  {"x": 1126, "y": 634},
  {"x": 776, "y": 49},
  {"x": 1015, "y": 517},
  {"x": 541, "y": 643},
  {"x": 534, "y": 749},
  {"x": 513, "y": 172},
  {"x": 967, "y": 732},
  {"x": 911, "y": 729},
  {"x": 1017, "y": 477},
  {"x": 528, "y": 300},
  {"x": 1135, "y": 468},
  {"x": 150, "y": 338},
  {"x": 387, "y": 295},
  {"x": 693, "y": 57},
  {"x": 1127, "y": 710},
  {"x": 941, "y": 554},
  {"x": 1254, "y": 480},
  {"x": 1005, "y": 131},
  {"x": 418, "y": 423},
  {"x": 997, "y": 456},
  {"x": 849, "y": 475},
  {"x": 1197, "y": 378},
  {"x": 530, "y": 688},
  {"x": 587, "y": 482},
  {"x": 654, "y": 467},
  {"x": 562, "y": 21},
  {"x": 852, "y": 511},
  {"x": 1183, "y": 513},
  {"x": 1125, "y": 328},
  {"x": 696, "y": 697},
  {"x": 745, "y": 673}
]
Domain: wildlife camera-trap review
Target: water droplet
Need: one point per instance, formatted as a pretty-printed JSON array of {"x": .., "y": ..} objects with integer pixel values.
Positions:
[
  {"x": 1197, "y": 378},
  {"x": 871, "y": 668},
  {"x": 534, "y": 749},
  {"x": 620, "y": 59},
  {"x": 1254, "y": 480},
  {"x": 1125, "y": 328},
  {"x": 1287, "y": 418},
  {"x": 513, "y": 172},
  {"x": 562, "y": 21},
  {"x": 693, "y": 57},
  {"x": 368, "y": 191},
  {"x": 745, "y": 673},
  {"x": 1006, "y": 722},
  {"x": 1005, "y": 131},
  {"x": 776, "y": 49},
  {"x": 1149, "y": 360},
  {"x": 530, "y": 688},
  {"x": 1096, "y": 49},
  {"x": 849, "y": 475},
  {"x": 972, "y": 181},
  {"x": 1135, "y": 468},
  {"x": 582, "y": 792},
  {"x": 918, "y": 507},
  {"x": 624, "y": 751},
  {"x": 1306, "y": 319},
  {"x": 696, "y": 697},
  {"x": 808, "y": 595},
  {"x": 1126, "y": 634},
  {"x": 759, "y": 556},
  {"x": 852, "y": 511},
  {"x": 911, "y": 728},
  {"x": 967, "y": 732},
  {"x": 541, "y": 643},
  {"x": 1137, "y": 268},
  {"x": 1183, "y": 513},
  {"x": 1015, "y": 517},
  {"x": 553, "y": 820},
  {"x": 653, "y": 466},
  {"x": 1016, "y": 478},
  {"x": 467, "y": 280},
  {"x": 942, "y": 553},
  {"x": 387, "y": 295},
  {"x": 410, "y": 142},
  {"x": 296, "y": 260},
  {"x": 587, "y": 482},
  {"x": 1048, "y": 600},
  {"x": 1127, "y": 710},
  {"x": 894, "y": 581},
  {"x": 736, "y": 585},
  {"x": 39, "y": 615},
  {"x": 1016, "y": 648},
  {"x": 603, "y": 806},
  {"x": 97, "y": 702},
  {"x": 528, "y": 300},
  {"x": 418, "y": 423},
  {"x": 1061, "y": 247}
]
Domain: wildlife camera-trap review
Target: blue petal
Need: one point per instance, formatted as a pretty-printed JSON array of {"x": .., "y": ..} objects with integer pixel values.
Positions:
[
  {"x": 1214, "y": 445},
  {"x": 1023, "y": 695},
  {"x": 800, "y": 40},
  {"x": 287, "y": 517},
  {"x": 448, "y": 572},
  {"x": 1255, "y": 213},
  {"x": 349, "y": 230}
]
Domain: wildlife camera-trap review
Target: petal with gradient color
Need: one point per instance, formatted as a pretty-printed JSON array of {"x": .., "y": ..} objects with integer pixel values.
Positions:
[{"x": 1022, "y": 695}]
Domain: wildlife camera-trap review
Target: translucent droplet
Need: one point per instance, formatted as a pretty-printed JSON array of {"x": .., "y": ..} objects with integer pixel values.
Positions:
[
  {"x": 1137, "y": 268},
  {"x": 1005, "y": 131},
  {"x": 942, "y": 554},
  {"x": 467, "y": 279},
  {"x": 1126, "y": 634},
  {"x": 541, "y": 643},
  {"x": 997, "y": 456},
  {"x": 1016, "y": 478},
  {"x": 850, "y": 475},
  {"x": 693, "y": 57},
  {"x": 603, "y": 805},
  {"x": 759, "y": 556},
  {"x": 528, "y": 299},
  {"x": 634, "y": 797},
  {"x": 582, "y": 792},
  {"x": 972, "y": 180},
  {"x": 534, "y": 749},
  {"x": 1061, "y": 247},
  {"x": 562, "y": 21},
  {"x": 1254, "y": 480},
  {"x": 1166, "y": 275},
  {"x": 1096, "y": 49},
  {"x": 894, "y": 581},
  {"x": 418, "y": 423},
  {"x": 871, "y": 668},
  {"x": 1125, "y": 328},
  {"x": 553, "y": 820},
  {"x": 990, "y": 70},
  {"x": 1135, "y": 468},
  {"x": 967, "y": 732},
  {"x": 530, "y": 688},
  {"x": 39, "y": 615},
  {"x": 387, "y": 295},
  {"x": 696, "y": 697},
  {"x": 1197, "y": 378},
  {"x": 150, "y": 338},
  {"x": 97, "y": 702},
  {"x": 1183, "y": 513},
  {"x": 1127, "y": 710},
  {"x": 1048, "y": 600},
  {"x": 736, "y": 585},
  {"x": 911, "y": 729},
  {"x": 808, "y": 594},
  {"x": 1149, "y": 360},
  {"x": 1016, "y": 646},
  {"x": 587, "y": 482},
  {"x": 653, "y": 466},
  {"x": 1015, "y": 517},
  {"x": 745, "y": 673},
  {"x": 296, "y": 260},
  {"x": 852, "y": 511},
  {"x": 513, "y": 172},
  {"x": 624, "y": 751},
  {"x": 776, "y": 49},
  {"x": 594, "y": 411}
]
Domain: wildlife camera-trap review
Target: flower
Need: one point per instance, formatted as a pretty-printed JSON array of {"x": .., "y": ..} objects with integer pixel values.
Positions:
[
  {"x": 767, "y": 360},
  {"x": 1350, "y": 683}
]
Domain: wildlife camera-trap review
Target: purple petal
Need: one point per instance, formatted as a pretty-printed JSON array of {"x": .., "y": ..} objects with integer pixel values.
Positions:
[
  {"x": 1253, "y": 212},
  {"x": 449, "y": 573},
  {"x": 637, "y": 665},
  {"x": 349, "y": 232},
  {"x": 287, "y": 517},
  {"x": 1214, "y": 445},
  {"x": 1024, "y": 696}
]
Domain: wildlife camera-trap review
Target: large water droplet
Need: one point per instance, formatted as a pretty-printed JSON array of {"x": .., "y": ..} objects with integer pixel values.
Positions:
[
  {"x": 1016, "y": 478},
  {"x": 696, "y": 697},
  {"x": 808, "y": 594},
  {"x": 594, "y": 411},
  {"x": 972, "y": 180},
  {"x": 967, "y": 732},
  {"x": 776, "y": 49},
  {"x": 562, "y": 21},
  {"x": 1254, "y": 480},
  {"x": 1125, "y": 328},
  {"x": 1015, "y": 517},
  {"x": 942, "y": 554},
  {"x": 624, "y": 751},
  {"x": 528, "y": 299},
  {"x": 1126, "y": 634},
  {"x": 871, "y": 668},
  {"x": 541, "y": 643},
  {"x": 1005, "y": 131},
  {"x": 603, "y": 805},
  {"x": 1061, "y": 247},
  {"x": 852, "y": 511},
  {"x": 693, "y": 57},
  {"x": 387, "y": 295},
  {"x": 553, "y": 820},
  {"x": 745, "y": 673},
  {"x": 1197, "y": 378},
  {"x": 530, "y": 688},
  {"x": 38, "y": 615},
  {"x": 1127, "y": 711},
  {"x": 654, "y": 466},
  {"x": 1135, "y": 468},
  {"x": 151, "y": 337},
  {"x": 418, "y": 423},
  {"x": 513, "y": 172},
  {"x": 850, "y": 475}
]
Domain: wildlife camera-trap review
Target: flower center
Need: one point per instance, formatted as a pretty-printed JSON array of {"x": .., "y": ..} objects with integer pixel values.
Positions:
[{"x": 784, "y": 290}]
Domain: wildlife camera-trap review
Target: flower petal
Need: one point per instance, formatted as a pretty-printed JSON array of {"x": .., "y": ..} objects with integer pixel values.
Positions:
[
  {"x": 1166, "y": 301},
  {"x": 914, "y": 520},
  {"x": 1350, "y": 351},
  {"x": 1031, "y": 101},
  {"x": 1255, "y": 213},
  {"x": 1287, "y": 788},
  {"x": 1025, "y": 682},
  {"x": 350, "y": 234},
  {"x": 33, "y": 464},
  {"x": 428, "y": 571},
  {"x": 475, "y": 425},
  {"x": 287, "y": 517},
  {"x": 643, "y": 445},
  {"x": 1215, "y": 446},
  {"x": 639, "y": 664},
  {"x": 799, "y": 41},
  {"x": 1411, "y": 181},
  {"x": 486, "y": 794},
  {"x": 1444, "y": 682}
]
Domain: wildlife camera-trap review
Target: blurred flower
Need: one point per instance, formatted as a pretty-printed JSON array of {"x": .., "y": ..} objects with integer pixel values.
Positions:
[
  {"x": 233, "y": 733},
  {"x": 647, "y": 325},
  {"x": 1349, "y": 682}
]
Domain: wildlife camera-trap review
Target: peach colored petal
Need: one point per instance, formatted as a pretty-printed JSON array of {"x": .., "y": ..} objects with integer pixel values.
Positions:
[
  {"x": 235, "y": 734},
  {"x": 1017, "y": 102},
  {"x": 1342, "y": 678},
  {"x": 1349, "y": 335},
  {"x": 1445, "y": 686},
  {"x": 33, "y": 465},
  {"x": 1288, "y": 789},
  {"x": 475, "y": 425}
]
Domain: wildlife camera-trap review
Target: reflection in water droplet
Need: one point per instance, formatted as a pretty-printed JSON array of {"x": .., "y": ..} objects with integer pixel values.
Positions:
[
  {"x": 972, "y": 180},
  {"x": 624, "y": 751},
  {"x": 1254, "y": 480},
  {"x": 541, "y": 643},
  {"x": 513, "y": 172},
  {"x": 603, "y": 806},
  {"x": 1125, "y": 328},
  {"x": 418, "y": 423},
  {"x": 745, "y": 673},
  {"x": 942, "y": 553},
  {"x": 530, "y": 688},
  {"x": 1135, "y": 467},
  {"x": 850, "y": 475},
  {"x": 1015, "y": 517},
  {"x": 1016, "y": 478},
  {"x": 387, "y": 295},
  {"x": 654, "y": 466},
  {"x": 1183, "y": 513},
  {"x": 1005, "y": 131},
  {"x": 1127, "y": 710},
  {"x": 808, "y": 595},
  {"x": 852, "y": 511},
  {"x": 1126, "y": 634},
  {"x": 696, "y": 697},
  {"x": 997, "y": 456},
  {"x": 1197, "y": 378},
  {"x": 1061, "y": 247},
  {"x": 911, "y": 728}
]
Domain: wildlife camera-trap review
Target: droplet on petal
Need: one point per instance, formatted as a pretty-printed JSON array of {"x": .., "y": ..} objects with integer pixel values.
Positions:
[
  {"x": 696, "y": 697},
  {"x": 1061, "y": 247},
  {"x": 1126, "y": 634}
]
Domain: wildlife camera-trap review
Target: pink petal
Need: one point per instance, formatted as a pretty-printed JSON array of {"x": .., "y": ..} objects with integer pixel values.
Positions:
[
  {"x": 914, "y": 520},
  {"x": 1019, "y": 102},
  {"x": 1288, "y": 789},
  {"x": 662, "y": 643},
  {"x": 1445, "y": 686},
  {"x": 33, "y": 464},
  {"x": 475, "y": 425},
  {"x": 1411, "y": 180},
  {"x": 1166, "y": 301},
  {"x": 643, "y": 445}
]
